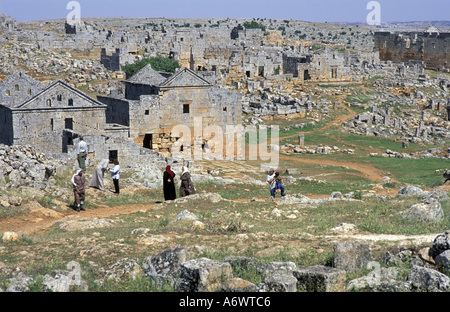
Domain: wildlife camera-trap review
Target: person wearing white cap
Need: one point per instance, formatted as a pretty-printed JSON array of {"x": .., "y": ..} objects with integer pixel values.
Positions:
[{"x": 79, "y": 186}]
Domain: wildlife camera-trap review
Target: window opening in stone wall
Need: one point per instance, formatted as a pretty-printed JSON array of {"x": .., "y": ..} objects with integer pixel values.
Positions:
[
  {"x": 49, "y": 103},
  {"x": 70, "y": 102},
  {"x": 51, "y": 124},
  {"x": 59, "y": 97},
  {"x": 113, "y": 154},
  {"x": 68, "y": 123},
  {"x": 261, "y": 71},
  {"x": 16, "y": 87},
  {"x": 8, "y": 93},
  {"x": 306, "y": 75},
  {"x": 185, "y": 108},
  {"x": 147, "y": 112}
]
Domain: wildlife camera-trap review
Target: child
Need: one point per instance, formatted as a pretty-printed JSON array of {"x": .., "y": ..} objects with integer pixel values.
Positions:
[
  {"x": 279, "y": 183},
  {"x": 115, "y": 175}
]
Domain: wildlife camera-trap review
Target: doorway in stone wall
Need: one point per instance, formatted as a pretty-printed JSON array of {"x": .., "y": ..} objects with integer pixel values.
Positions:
[
  {"x": 306, "y": 75},
  {"x": 148, "y": 141},
  {"x": 113, "y": 154}
]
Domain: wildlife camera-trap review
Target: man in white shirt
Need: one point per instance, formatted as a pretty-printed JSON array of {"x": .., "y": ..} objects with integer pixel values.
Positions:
[
  {"x": 81, "y": 154},
  {"x": 272, "y": 179}
]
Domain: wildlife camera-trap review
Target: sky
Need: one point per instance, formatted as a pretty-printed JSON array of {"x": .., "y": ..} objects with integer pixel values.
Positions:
[{"x": 302, "y": 10}]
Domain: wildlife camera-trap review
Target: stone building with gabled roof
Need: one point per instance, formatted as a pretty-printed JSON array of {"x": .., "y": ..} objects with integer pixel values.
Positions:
[
  {"x": 49, "y": 119},
  {"x": 154, "y": 102}
]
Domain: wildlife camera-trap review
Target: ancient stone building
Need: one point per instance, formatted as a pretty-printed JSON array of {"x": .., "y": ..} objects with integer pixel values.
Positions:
[
  {"x": 431, "y": 46},
  {"x": 111, "y": 62},
  {"x": 7, "y": 23},
  {"x": 321, "y": 65},
  {"x": 153, "y": 103},
  {"x": 46, "y": 117}
]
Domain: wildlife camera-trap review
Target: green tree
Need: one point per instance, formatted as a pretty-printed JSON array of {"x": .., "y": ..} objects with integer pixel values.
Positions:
[
  {"x": 158, "y": 63},
  {"x": 254, "y": 25}
]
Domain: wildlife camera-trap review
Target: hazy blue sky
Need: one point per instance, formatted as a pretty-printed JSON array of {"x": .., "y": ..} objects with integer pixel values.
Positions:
[{"x": 305, "y": 10}]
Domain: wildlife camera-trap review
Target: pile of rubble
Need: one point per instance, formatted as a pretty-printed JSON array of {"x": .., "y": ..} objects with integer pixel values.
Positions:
[{"x": 21, "y": 165}]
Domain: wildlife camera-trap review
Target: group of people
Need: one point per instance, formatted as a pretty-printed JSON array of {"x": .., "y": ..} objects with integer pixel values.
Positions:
[
  {"x": 186, "y": 185},
  {"x": 79, "y": 180}
]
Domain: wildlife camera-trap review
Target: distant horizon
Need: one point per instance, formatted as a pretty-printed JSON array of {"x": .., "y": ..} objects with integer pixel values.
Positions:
[{"x": 317, "y": 11}]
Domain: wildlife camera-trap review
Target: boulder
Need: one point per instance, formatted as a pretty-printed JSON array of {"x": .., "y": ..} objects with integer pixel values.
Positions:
[
  {"x": 20, "y": 283},
  {"x": 429, "y": 210},
  {"x": 165, "y": 265},
  {"x": 279, "y": 282},
  {"x": 439, "y": 194},
  {"x": 440, "y": 244},
  {"x": 425, "y": 279},
  {"x": 410, "y": 190},
  {"x": 320, "y": 279},
  {"x": 352, "y": 256},
  {"x": 380, "y": 280},
  {"x": 202, "y": 275},
  {"x": 443, "y": 259},
  {"x": 10, "y": 236}
]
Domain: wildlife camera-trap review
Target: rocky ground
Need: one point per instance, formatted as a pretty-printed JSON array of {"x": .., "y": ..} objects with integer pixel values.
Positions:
[{"x": 177, "y": 259}]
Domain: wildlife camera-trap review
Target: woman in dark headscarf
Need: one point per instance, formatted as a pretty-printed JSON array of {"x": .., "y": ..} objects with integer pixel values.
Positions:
[{"x": 169, "y": 184}]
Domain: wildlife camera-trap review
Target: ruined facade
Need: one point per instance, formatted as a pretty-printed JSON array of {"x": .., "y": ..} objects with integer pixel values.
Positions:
[
  {"x": 111, "y": 62},
  {"x": 322, "y": 65},
  {"x": 431, "y": 46},
  {"x": 153, "y": 103},
  {"x": 7, "y": 23}
]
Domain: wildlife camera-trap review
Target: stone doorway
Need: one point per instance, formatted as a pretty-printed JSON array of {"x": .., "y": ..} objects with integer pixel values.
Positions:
[{"x": 148, "y": 141}]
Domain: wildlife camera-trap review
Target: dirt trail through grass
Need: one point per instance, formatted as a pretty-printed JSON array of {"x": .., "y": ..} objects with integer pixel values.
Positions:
[{"x": 367, "y": 171}]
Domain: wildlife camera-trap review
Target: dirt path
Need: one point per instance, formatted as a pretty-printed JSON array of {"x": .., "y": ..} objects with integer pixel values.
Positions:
[
  {"x": 335, "y": 122},
  {"x": 367, "y": 171},
  {"x": 40, "y": 220},
  {"x": 26, "y": 226}
]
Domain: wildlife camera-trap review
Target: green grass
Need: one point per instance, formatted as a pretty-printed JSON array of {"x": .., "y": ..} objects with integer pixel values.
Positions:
[{"x": 419, "y": 172}]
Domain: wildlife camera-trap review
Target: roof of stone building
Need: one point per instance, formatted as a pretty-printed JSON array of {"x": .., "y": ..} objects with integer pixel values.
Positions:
[
  {"x": 27, "y": 87},
  {"x": 147, "y": 76},
  {"x": 56, "y": 83},
  {"x": 432, "y": 29},
  {"x": 185, "y": 78}
]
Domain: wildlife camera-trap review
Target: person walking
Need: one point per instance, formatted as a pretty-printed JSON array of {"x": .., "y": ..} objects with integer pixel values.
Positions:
[
  {"x": 115, "y": 175},
  {"x": 81, "y": 154},
  {"x": 99, "y": 173},
  {"x": 79, "y": 188},
  {"x": 169, "y": 184},
  {"x": 186, "y": 187}
]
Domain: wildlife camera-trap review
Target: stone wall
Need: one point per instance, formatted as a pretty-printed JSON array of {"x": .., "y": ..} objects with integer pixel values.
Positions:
[{"x": 433, "y": 48}]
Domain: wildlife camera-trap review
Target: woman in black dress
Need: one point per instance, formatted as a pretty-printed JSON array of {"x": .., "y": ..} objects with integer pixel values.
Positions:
[{"x": 169, "y": 184}]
